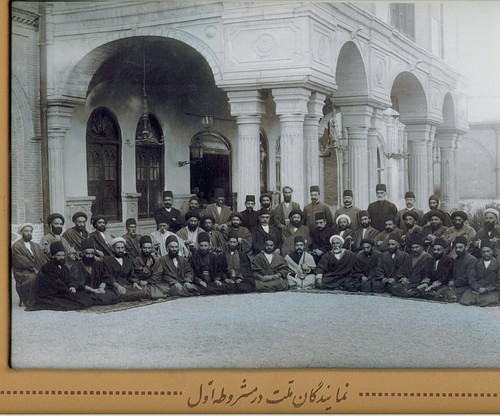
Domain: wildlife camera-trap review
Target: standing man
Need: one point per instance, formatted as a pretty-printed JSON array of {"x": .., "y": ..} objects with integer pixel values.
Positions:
[
  {"x": 382, "y": 239},
  {"x": 301, "y": 265},
  {"x": 249, "y": 216},
  {"x": 320, "y": 237},
  {"x": 381, "y": 208},
  {"x": 282, "y": 211},
  {"x": 101, "y": 238},
  {"x": 192, "y": 205},
  {"x": 159, "y": 237},
  {"x": 434, "y": 206},
  {"x": 294, "y": 229},
  {"x": 310, "y": 210},
  {"x": 75, "y": 235},
  {"x": 410, "y": 207},
  {"x": 364, "y": 231},
  {"x": 263, "y": 232},
  {"x": 348, "y": 209},
  {"x": 176, "y": 220},
  {"x": 219, "y": 211},
  {"x": 269, "y": 269},
  {"x": 265, "y": 200},
  {"x": 55, "y": 222},
  {"x": 459, "y": 229},
  {"x": 27, "y": 259},
  {"x": 132, "y": 239},
  {"x": 189, "y": 233}
]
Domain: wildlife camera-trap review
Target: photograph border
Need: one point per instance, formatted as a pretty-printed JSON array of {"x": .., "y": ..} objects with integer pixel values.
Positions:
[{"x": 219, "y": 391}]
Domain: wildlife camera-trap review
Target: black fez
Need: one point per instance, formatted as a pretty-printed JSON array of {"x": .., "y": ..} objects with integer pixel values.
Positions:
[
  {"x": 460, "y": 214},
  {"x": 296, "y": 212},
  {"x": 236, "y": 214},
  {"x": 381, "y": 187},
  {"x": 460, "y": 239},
  {"x": 162, "y": 219},
  {"x": 207, "y": 217},
  {"x": 145, "y": 239},
  {"x": 79, "y": 214},
  {"x": 203, "y": 237},
  {"x": 87, "y": 243},
  {"x": 411, "y": 214},
  {"x": 319, "y": 216},
  {"x": 191, "y": 214},
  {"x": 486, "y": 243},
  {"x": 434, "y": 198},
  {"x": 299, "y": 239},
  {"x": 409, "y": 194},
  {"x": 363, "y": 213},
  {"x": 435, "y": 213},
  {"x": 130, "y": 221},
  {"x": 395, "y": 237},
  {"x": 171, "y": 239},
  {"x": 233, "y": 234},
  {"x": 440, "y": 242},
  {"x": 56, "y": 247},
  {"x": 263, "y": 211},
  {"x": 98, "y": 217},
  {"x": 417, "y": 239},
  {"x": 390, "y": 218},
  {"x": 348, "y": 192},
  {"x": 168, "y": 194},
  {"x": 370, "y": 241},
  {"x": 53, "y": 216},
  {"x": 314, "y": 188},
  {"x": 250, "y": 198},
  {"x": 219, "y": 193}
]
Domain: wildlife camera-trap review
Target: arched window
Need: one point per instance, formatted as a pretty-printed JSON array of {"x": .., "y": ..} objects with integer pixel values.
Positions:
[
  {"x": 103, "y": 163},
  {"x": 149, "y": 170}
]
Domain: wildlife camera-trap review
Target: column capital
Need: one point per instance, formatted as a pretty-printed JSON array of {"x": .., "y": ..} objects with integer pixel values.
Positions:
[
  {"x": 315, "y": 106},
  {"x": 357, "y": 115},
  {"x": 247, "y": 103},
  {"x": 420, "y": 132},
  {"x": 59, "y": 113},
  {"x": 291, "y": 101}
]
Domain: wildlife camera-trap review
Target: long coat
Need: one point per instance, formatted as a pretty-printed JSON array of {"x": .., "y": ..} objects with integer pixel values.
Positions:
[
  {"x": 379, "y": 211},
  {"x": 281, "y": 212}
]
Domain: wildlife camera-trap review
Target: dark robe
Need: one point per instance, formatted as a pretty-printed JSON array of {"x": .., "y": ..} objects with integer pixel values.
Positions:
[
  {"x": 400, "y": 222},
  {"x": 243, "y": 233},
  {"x": 223, "y": 218},
  {"x": 75, "y": 239},
  {"x": 132, "y": 245},
  {"x": 259, "y": 237},
  {"x": 442, "y": 273},
  {"x": 122, "y": 274},
  {"x": 310, "y": 211},
  {"x": 482, "y": 277},
  {"x": 51, "y": 290},
  {"x": 492, "y": 236},
  {"x": 366, "y": 266},
  {"x": 237, "y": 266},
  {"x": 337, "y": 273},
  {"x": 347, "y": 235},
  {"x": 281, "y": 213},
  {"x": 209, "y": 268},
  {"x": 417, "y": 270},
  {"x": 379, "y": 211},
  {"x": 352, "y": 212},
  {"x": 357, "y": 236},
  {"x": 320, "y": 239},
  {"x": 288, "y": 234},
  {"x": 389, "y": 267},
  {"x": 143, "y": 268},
  {"x": 278, "y": 268},
  {"x": 176, "y": 218},
  {"x": 100, "y": 244},
  {"x": 81, "y": 277},
  {"x": 427, "y": 233},
  {"x": 249, "y": 219},
  {"x": 165, "y": 271}
]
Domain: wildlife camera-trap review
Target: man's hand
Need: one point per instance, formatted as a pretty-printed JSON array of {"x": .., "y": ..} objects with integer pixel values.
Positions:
[
  {"x": 121, "y": 289},
  {"x": 364, "y": 278},
  {"x": 143, "y": 282},
  {"x": 390, "y": 280},
  {"x": 482, "y": 290},
  {"x": 137, "y": 286},
  {"x": 202, "y": 283},
  {"x": 72, "y": 290},
  {"x": 239, "y": 280},
  {"x": 229, "y": 281},
  {"x": 218, "y": 283},
  {"x": 178, "y": 286},
  {"x": 404, "y": 280},
  {"x": 190, "y": 286},
  {"x": 423, "y": 286}
]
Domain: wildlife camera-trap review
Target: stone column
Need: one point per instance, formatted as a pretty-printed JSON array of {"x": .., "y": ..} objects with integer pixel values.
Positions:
[
  {"x": 248, "y": 108},
  {"x": 372, "y": 153},
  {"x": 291, "y": 107},
  {"x": 497, "y": 167},
  {"x": 430, "y": 158},
  {"x": 447, "y": 142},
  {"x": 311, "y": 142},
  {"x": 357, "y": 121}
]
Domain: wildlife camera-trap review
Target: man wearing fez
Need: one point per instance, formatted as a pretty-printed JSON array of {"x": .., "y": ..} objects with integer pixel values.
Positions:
[
  {"x": 348, "y": 209},
  {"x": 249, "y": 216},
  {"x": 434, "y": 206},
  {"x": 175, "y": 271},
  {"x": 208, "y": 269},
  {"x": 320, "y": 237},
  {"x": 344, "y": 229},
  {"x": 390, "y": 266},
  {"x": 381, "y": 208},
  {"x": 89, "y": 275},
  {"x": 490, "y": 230},
  {"x": 27, "y": 258},
  {"x": 119, "y": 273},
  {"x": 265, "y": 200},
  {"x": 269, "y": 269},
  {"x": 462, "y": 267},
  {"x": 434, "y": 229},
  {"x": 310, "y": 210},
  {"x": 101, "y": 238},
  {"x": 176, "y": 220},
  {"x": 219, "y": 211},
  {"x": 410, "y": 207},
  {"x": 189, "y": 233},
  {"x": 237, "y": 266},
  {"x": 217, "y": 241},
  {"x": 417, "y": 270},
  {"x": 244, "y": 234},
  {"x": 382, "y": 238},
  {"x": 159, "y": 237},
  {"x": 76, "y": 234},
  {"x": 262, "y": 232},
  {"x": 410, "y": 219},
  {"x": 484, "y": 280},
  {"x": 459, "y": 229},
  {"x": 282, "y": 211},
  {"x": 441, "y": 271},
  {"x": 363, "y": 232},
  {"x": 294, "y": 229},
  {"x": 335, "y": 268},
  {"x": 52, "y": 289},
  {"x": 364, "y": 271},
  {"x": 55, "y": 222},
  {"x": 301, "y": 265},
  {"x": 193, "y": 205},
  {"x": 132, "y": 239}
]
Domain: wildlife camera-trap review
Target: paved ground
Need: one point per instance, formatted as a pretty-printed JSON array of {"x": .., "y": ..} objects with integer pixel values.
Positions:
[{"x": 288, "y": 329}]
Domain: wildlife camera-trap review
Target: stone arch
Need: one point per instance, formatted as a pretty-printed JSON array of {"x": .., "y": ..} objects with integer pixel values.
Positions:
[
  {"x": 408, "y": 98},
  {"x": 350, "y": 74},
  {"x": 449, "y": 120},
  {"x": 77, "y": 77}
]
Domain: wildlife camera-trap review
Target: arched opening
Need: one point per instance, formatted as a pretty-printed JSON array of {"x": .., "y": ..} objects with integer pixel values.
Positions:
[
  {"x": 408, "y": 98},
  {"x": 448, "y": 112},
  {"x": 350, "y": 75},
  {"x": 264, "y": 160}
]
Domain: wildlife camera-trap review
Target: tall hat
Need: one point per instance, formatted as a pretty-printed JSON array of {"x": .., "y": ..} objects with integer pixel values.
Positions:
[
  {"x": 347, "y": 192},
  {"x": 409, "y": 194},
  {"x": 130, "y": 221},
  {"x": 171, "y": 239},
  {"x": 219, "y": 193},
  {"x": 56, "y": 247},
  {"x": 363, "y": 213},
  {"x": 250, "y": 198},
  {"x": 434, "y": 198},
  {"x": 319, "y": 216},
  {"x": 168, "y": 194},
  {"x": 381, "y": 187},
  {"x": 88, "y": 243},
  {"x": 263, "y": 211},
  {"x": 145, "y": 239},
  {"x": 203, "y": 237},
  {"x": 314, "y": 188},
  {"x": 79, "y": 214},
  {"x": 460, "y": 239},
  {"x": 299, "y": 239},
  {"x": 53, "y": 216}
]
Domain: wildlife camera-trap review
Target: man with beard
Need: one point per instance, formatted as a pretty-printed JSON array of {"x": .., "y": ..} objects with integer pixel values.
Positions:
[
  {"x": 27, "y": 258},
  {"x": 159, "y": 237},
  {"x": 381, "y": 208},
  {"x": 55, "y": 222},
  {"x": 364, "y": 231},
  {"x": 459, "y": 229},
  {"x": 132, "y": 239},
  {"x": 417, "y": 270},
  {"x": 265, "y": 200},
  {"x": 189, "y": 233},
  {"x": 237, "y": 266},
  {"x": 175, "y": 271},
  {"x": 411, "y": 228},
  {"x": 434, "y": 206},
  {"x": 490, "y": 231},
  {"x": 462, "y": 267},
  {"x": 434, "y": 229},
  {"x": 301, "y": 265},
  {"x": 294, "y": 229},
  {"x": 410, "y": 207},
  {"x": 75, "y": 235},
  {"x": 348, "y": 209},
  {"x": 249, "y": 216},
  {"x": 244, "y": 234},
  {"x": 364, "y": 271},
  {"x": 484, "y": 280},
  {"x": 143, "y": 267},
  {"x": 208, "y": 269},
  {"x": 320, "y": 237},
  {"x": 262, "y": 232},
  {"x": 334, "y": 270},
  {"x": 390, "y": 266},
  {"x": 282, "y": 211},
  {"x": 101, "y": 238},
  {"x": 119, "y": 273},
  {"x": 441, "y": 272},
  {"x": 269, "y": 269},
  {"x": 315, "y": 207},
  {"x": 51, "y": 289},
  {"x": 193, "y": 205},
  {"x": 383, "y": 237},
  {"x": 217, "y": 241},
  {"x": 219, "y": 211},
  {"x": 89, "y": 275},
  {"x": 174, "y": 216},
  {"x": 343, "y": 229}
]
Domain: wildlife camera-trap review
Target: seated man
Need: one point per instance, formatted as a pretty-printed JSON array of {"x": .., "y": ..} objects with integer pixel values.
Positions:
[
  {"x": 411, "y": 228},
  {"x": 293, "y": 229},
  {"x": 484, "y": 280},
  {"x": 132, "y": 239},
  {"x": 390, "y": 266},
  {"x": 237, "y": 265},
  {"x": 161, "y": 234},
  {"x": 320, "y": 237},
  {"x": 189, "y": 233},
  {"x": 76, "y": 234},
  {"x": 244, "y": 234},
  {"x": 343, "y": 229},
  {"x": 462, "y": 266},
  {"x": 52, "y": 290},
  {"x": 175, "y": 271},
  {"x": 301, "y": 265},
  {"x": 383, "y": 237},
  {"x": 269, "y": 269},
  {"x": 102, "y": 238},
  {"x": 263, "y": 231},
  {"x": 441, "y": 271},
  {"x": 334, "y": 270},
  {"x": 220, "y": 212},
  {"x": 143, "y": 267},
  {"x": 363, "y": 232},
  {"x": 365, "y": 269},
  {"x": 218, "y": 243}
]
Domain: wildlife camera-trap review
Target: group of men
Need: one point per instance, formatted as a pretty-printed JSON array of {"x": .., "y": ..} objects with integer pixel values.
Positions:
[{"x": 406, "y": 253}]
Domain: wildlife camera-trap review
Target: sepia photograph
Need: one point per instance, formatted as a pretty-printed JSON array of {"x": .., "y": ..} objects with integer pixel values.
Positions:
[{"x": 255, "y": 185}]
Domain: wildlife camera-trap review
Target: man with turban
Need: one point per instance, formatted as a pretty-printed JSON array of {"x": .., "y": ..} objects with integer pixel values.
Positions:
[
  {"x": 490, "y": 230},
  {"x": 132, "y": 238},
  {"x": 294, "y": 229},
  {"x": 143, "y": 267},
  {"x": 301, "y": 265},
  {"x": 101, "y": 237},
  {"x": 163, "y": 231},
  {"x": 390, "y": 266},
  {"x": 55, "y": 221},
  {"x": 343, "y": 228},
  {"x": 269, "y": 269},
  {"x": 189, "y": 233},
  {"x": 238, "y": 272},
  {"x": 434, "y": 206},
  {"x": 460, "y": 228},
  {"x": 434, "y": 229},
  {"x": 365, "y": 268},
  {"x": 78, "y": 233}
]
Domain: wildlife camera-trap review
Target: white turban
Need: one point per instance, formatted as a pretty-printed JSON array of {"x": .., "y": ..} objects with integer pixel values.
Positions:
[
  {"x": 117, "y": 240},
  {"x": 23, "y": 226},
  {"x": 345, "y": 216},
  {"x": 491, "y": 211},
  {"x": 336, "y": 237}
]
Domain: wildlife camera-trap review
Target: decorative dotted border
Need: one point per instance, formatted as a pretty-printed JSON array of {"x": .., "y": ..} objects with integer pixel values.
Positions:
[
  {"x": 90, "y": 393},
  {"x": 440, "y": 395}
]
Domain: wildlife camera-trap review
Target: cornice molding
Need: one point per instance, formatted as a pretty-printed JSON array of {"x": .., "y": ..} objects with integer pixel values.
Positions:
[{"x": 24, "y": 17}]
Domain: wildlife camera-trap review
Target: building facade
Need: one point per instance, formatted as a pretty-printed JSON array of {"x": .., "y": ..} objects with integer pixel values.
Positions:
[{"x": 244, "y": 96}]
